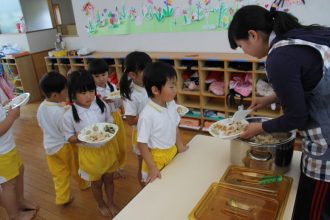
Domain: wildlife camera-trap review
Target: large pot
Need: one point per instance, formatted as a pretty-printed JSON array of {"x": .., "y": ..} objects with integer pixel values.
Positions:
[{"x": 275, "y": 157}]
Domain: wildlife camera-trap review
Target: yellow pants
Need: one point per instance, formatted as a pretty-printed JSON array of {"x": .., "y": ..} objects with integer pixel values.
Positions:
[
  {"x": 121, "y": 139},
  {"x": 134, "y": 141},
  {"x": 94, "y": 162},
  {"x": 160, "y": 157},
  {"x": 10, "y": 164},
  {"x": 62, "y": 165}
]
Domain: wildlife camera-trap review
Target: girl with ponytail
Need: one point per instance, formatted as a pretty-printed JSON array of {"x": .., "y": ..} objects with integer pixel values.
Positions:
[
  {"x": 96, "y": 164},
  {"x": 134, "y": 95},
  {"x": 298, "y": 68}
]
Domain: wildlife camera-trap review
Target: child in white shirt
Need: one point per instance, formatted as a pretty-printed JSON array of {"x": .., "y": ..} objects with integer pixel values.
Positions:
[
  {"x": 96, "y": 164},
  {"x": 100, "y": 72},
  {"x": 62, "y": 157},
  {"x": 134, "y": 94},
  {"x": 158, "y": 134},
  {"x": 12, "y": 171}
]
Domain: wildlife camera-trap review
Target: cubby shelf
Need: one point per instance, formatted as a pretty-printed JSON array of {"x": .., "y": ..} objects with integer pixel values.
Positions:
[{"x": 202, "y": 64}]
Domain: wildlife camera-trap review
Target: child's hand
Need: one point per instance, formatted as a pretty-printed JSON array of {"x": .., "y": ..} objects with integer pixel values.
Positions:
[
  {"x": 14, "y": 113},
  {"x": 153, "y": 174},
  {"x": 182, "y": 148}
]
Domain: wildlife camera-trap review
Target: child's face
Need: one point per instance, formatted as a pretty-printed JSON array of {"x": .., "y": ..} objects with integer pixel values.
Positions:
[
  {"x": 101, "y": 79},
  {"x": 137, "y": 78},
  {"x": 168, "y": 91},
  {"x": 85, "y": 99}
]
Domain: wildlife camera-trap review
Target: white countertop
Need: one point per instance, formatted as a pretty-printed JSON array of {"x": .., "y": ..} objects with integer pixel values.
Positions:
[{"x": 186, "y": 179}]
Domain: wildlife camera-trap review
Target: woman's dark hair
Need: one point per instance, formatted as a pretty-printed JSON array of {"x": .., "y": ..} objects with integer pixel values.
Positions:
[
  {"x": 52, "y": 82},
  {"x": 98, "y": 66},
  {"x": 253, "y": 17},
  {"x": 82, "y": 81},
  {"x": 134, "y": 62},
  {"x": 157, "y": 74}
]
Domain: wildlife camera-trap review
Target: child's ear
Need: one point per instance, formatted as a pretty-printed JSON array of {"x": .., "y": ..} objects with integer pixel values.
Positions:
[
  {"x": 131, "y": 75},
  {"x": 155, "y": 90}
]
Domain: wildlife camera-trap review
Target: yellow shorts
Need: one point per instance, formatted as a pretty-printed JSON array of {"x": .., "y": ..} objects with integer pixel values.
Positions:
[
  {"x": 94, "y": 162},
  {"x": 121, "y": 138},
  {"x": 161, "y": 158},
  {"x": 10, "y": 164},
  {"x": 134, "y": 141}
]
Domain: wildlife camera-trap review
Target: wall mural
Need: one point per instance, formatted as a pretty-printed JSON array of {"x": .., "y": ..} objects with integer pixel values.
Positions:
[{"x": 154, "y": 16}]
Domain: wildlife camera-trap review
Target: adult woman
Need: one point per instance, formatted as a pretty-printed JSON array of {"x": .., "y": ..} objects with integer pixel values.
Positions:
[{"x": 298, "y": 67}]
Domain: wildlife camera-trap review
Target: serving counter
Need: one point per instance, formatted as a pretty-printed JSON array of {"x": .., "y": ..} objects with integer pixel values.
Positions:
[{"x": 186, "y": 179}]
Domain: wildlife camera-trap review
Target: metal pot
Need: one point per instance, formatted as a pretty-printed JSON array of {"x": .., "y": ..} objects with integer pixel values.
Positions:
[{"x": 275, "y": 157}]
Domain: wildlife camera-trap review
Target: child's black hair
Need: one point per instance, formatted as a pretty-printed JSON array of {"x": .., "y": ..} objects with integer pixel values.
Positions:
[
  {"x": 253, "y": 17},
  {"x": 157, "y": 74},
  {"x": 134, "y": 62},
  {"x": 52, "y": 82},
  {"x": 82, "y": 81},
  {"x": 98, "y": 66}
]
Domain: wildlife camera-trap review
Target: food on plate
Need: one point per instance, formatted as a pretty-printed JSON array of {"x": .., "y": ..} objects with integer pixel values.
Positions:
[
  {"x": 114, "y": 95},
  {"x": 95, "y": 134},
  {"x": 232, "y": 128},
  {"x": 269, "y": 138},
  {"x": 109, "y": 129}
]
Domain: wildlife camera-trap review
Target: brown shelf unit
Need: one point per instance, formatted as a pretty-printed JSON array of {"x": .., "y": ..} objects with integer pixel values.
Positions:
[
  {"x": 22, "y": 75},
  {"x": 199, "y": 100}
]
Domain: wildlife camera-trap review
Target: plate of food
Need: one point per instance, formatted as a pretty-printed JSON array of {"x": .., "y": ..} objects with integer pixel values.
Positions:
[
  {"x": 114, "y": 95},
  {"x": 227, "y": 128},
  {"x": 182, "y": 110},
  {"x": 98, "y": 134},
  {"x": 20, "y": 100}
]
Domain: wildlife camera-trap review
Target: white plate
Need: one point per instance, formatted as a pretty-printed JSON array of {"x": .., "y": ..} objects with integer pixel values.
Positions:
[
  {"x": 114, "y": 95},
  {"x": 182, "y": 110},
  {"x": 20, "y": 100},
  {"x": 216, "y": 131},
  {"x": 97, "y": 129}
]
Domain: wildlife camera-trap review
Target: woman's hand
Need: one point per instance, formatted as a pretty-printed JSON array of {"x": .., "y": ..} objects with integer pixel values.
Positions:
[
  {"x": 260, "y": 102},
  {"x": 252, "y": 130}
]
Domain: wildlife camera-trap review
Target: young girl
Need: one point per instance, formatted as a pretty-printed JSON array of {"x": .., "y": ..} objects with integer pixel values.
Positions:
[
  {"x": 158, "y": 135},
  {"x": 100, "y": 71},
  {"x": 12, "y": 171},
  {"x": 96, "y": 164},
  {"x": 298, "y": 67},
  {"x": 134, "y": 94}
]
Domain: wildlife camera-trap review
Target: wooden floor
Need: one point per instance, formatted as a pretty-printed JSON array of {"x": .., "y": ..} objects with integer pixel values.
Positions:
[{"x": 38, "y": 182}]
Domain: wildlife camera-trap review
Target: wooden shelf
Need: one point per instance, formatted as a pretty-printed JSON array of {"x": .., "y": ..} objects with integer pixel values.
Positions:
[{"x": 201, "y": 63}]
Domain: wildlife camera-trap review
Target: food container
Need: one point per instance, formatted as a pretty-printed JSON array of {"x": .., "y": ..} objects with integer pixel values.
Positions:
[{"x": 276, "y": 157}]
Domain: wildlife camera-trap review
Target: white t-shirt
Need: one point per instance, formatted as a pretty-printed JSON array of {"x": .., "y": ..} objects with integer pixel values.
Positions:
[
  {"x": 139, "y": 99},
  {"x": 7, "y": 142},
  {"x": 106, "y": 91},
  {"x": 157, "y": 125},
  {"x": 50, "y": 119},
  {"x": 87, "y": 117}
]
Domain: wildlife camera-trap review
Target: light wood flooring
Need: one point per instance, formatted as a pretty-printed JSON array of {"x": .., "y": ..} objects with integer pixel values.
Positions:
[{"x": 38, "y": 182}]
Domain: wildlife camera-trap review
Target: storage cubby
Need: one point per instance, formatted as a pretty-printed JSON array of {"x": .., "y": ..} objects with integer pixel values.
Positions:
[{"x": 199, "y": 100}]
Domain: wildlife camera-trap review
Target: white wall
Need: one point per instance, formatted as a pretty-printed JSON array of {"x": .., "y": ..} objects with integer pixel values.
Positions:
[
  {"x": 41, "y": 40},
  {"x": 15, "y": 39},
  {"x": 316, "y": 11}
]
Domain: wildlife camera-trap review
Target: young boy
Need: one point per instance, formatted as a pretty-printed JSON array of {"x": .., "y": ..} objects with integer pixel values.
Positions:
[
  {"x": 61, "y": 156},
  {"x": 12, "y": 171},
  {"x": 158, "y": 137},
  {"x": 100, "y": 71}
]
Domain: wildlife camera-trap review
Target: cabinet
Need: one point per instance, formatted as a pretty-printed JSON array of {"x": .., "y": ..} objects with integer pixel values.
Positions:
[
  {"x": 198, "y": 99},
  {"x": 21, "y": 72}
]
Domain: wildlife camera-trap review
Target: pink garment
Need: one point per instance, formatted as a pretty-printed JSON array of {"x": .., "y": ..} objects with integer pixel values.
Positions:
[
  {"x": 7, "y": 87},
  {"x": 217, "y": 88},
  {"x": 241, "y": 83}
]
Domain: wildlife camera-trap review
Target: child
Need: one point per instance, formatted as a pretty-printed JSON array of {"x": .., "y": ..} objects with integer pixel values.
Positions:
[
  {"x": 12, "y": 171},
  {"x": 158, "y": 134},
  {"x": 61, "y": 157},
  {"x": 96, "y": 164},
  {"x": 134, "y": 94},
  {"x": 100, "y": 71}
]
